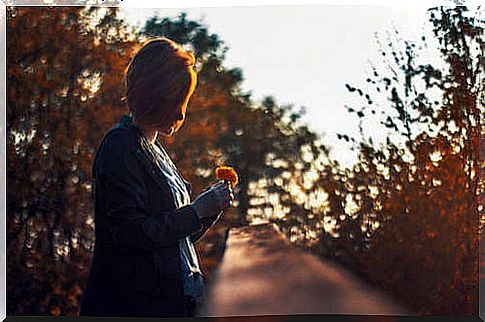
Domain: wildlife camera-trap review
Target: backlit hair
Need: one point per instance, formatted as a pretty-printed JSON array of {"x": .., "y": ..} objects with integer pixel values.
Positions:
[{"x": 159, "y": 77}]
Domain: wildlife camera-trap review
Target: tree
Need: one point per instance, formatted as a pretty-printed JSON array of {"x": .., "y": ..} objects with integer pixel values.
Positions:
[
  {"x": 414, "y": 231},
  {"x": 62, "y": 94}
]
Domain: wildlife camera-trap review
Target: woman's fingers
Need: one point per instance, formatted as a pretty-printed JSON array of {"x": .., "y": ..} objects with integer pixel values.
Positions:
[
  {"x": 224, "y": 183},
  {"x": 229, "y": 200},
  {"x": 223, "y": 187},
  {"x": 225, "y": 193},
  {"x": 214, "y": 185},
  {"x": 229, "y": 196}
]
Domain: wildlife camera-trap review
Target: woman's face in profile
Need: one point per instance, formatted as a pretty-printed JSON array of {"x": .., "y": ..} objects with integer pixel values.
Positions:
[
  {"x": 174, "y": 123},
  {"x": 170, "y": 125}
]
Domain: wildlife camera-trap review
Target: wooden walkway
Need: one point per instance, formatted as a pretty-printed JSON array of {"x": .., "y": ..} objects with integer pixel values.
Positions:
[{"x": 263, "y": 274}]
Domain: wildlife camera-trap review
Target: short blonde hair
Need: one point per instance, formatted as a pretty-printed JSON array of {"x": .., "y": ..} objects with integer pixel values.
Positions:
[{"x": 159, "y": 77}]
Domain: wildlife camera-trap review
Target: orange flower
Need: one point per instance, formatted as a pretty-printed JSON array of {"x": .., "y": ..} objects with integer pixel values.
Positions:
[{"x": 228, "y": 174}]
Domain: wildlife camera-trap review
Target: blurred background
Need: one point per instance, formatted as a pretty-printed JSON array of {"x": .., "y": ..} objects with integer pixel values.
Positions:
[{"x": 355, "y": 129}]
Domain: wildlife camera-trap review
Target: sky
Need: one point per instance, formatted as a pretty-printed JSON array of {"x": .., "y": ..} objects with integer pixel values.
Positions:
[{"x": 305, "y": 54}]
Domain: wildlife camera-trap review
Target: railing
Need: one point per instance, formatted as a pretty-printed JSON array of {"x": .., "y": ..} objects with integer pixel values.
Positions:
[{"x": 263, "y": 274}]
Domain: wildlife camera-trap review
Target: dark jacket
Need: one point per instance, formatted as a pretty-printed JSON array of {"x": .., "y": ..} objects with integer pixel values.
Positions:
[{"x": 135, "y": 270}]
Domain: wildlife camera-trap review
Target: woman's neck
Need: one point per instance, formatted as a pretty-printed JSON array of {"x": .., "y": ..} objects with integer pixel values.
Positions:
[{"x": 149, "y": 132}]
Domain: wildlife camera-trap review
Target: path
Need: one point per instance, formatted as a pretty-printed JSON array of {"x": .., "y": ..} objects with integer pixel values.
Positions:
[{"x": 262, "y": 274}]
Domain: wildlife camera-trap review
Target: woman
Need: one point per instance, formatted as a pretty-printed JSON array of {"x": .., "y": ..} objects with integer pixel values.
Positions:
[{"x": 144, "y": 261}]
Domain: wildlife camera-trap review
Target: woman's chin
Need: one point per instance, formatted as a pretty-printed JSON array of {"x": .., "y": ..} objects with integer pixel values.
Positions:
[{"x": 167, "y": 133}]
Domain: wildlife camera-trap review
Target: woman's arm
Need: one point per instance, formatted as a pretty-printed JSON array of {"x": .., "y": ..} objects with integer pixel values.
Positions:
[
  {"x": 207, "y": 222},
  {"x": 125, "y": 193}
]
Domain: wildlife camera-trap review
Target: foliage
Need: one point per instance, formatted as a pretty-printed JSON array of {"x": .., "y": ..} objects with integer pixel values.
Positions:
[
  {"x": 62, "y": 94},
  {"x": 406, "y": 216}
]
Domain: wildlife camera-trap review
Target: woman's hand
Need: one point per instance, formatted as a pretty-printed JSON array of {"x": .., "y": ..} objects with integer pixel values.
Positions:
[{"x": 214, "y": 199}]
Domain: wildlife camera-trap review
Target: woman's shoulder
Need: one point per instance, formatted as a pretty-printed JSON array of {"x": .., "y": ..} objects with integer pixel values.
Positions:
[
  {"x": 117, "y": 146},
  {"x": 119, "y": 141},
  {"x": 118, "y": 134},
  {"x": 117, "y": 151},
  {"x": 122, "y": 133}
]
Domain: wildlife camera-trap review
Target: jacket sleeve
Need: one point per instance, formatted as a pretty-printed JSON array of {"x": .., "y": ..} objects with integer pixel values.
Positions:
[
  {"x": 125, "y": 194},
  {"x": 207, "y": 222}
]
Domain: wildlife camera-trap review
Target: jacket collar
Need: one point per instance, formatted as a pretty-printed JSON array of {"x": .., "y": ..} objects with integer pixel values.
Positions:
[{"x": 148, "y": 154}]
